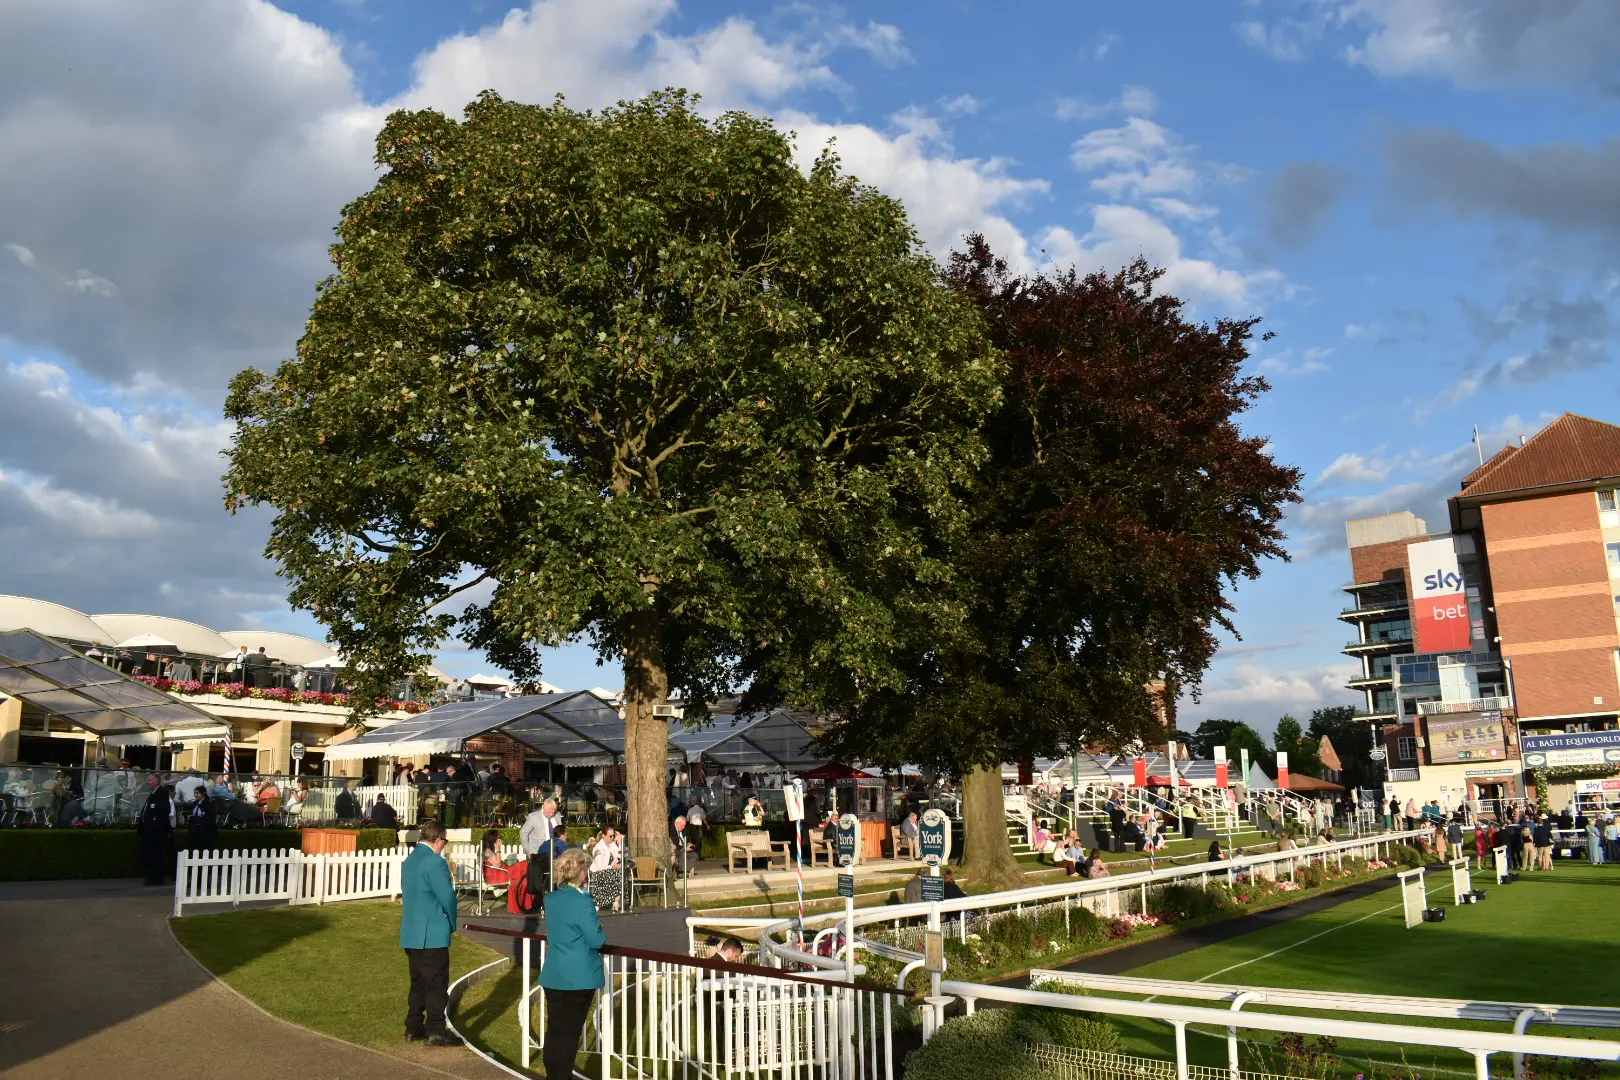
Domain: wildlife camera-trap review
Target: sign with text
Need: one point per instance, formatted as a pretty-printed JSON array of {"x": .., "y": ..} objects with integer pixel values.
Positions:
[
  {"x": 1282, "y": 768},
  {"x": 1220, "y": 767},
  {"x": 846, "y": 885},
  {"x": 934, "y": 837},
  {"x": 846, "y": 836},
  {"x": 1139, "y": 772},
  {"x": 297, "y": 751},
  {"x": 1575, "y": 748},
  {"x": 1440, "y": 620},
  {"x": 793, "y": 800},
  {"x": 1466, "y": 738},
  {"x": 933, "y": 888},
  {"x": 934, "y": 952},
  {"x": 1606, "y": 786}
]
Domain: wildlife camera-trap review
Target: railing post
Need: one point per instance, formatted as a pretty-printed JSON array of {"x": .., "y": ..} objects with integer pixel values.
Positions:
[
  {"x": 523, "y": 1006},
  {"x": 1181, "y": 1049},
  {"x": 1232, "y": 1035},
  {"x": 1521, "y": 1023}
]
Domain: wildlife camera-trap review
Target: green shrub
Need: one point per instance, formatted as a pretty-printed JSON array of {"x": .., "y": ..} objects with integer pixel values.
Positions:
[
  {"x": 1179, "y": 902},
  {"x": 82, "y": 854},
  {"x": 1078, "y": 1030},
  {"x": 1408, "y": 857},
  {"x": 989, "y": 1045},
  {"x": 1309, "y": 877},
  {"x": 1084, "y": 925}
]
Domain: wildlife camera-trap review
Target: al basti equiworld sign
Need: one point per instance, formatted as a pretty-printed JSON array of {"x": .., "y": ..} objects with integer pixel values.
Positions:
[{"x": 1440, "y": 621}]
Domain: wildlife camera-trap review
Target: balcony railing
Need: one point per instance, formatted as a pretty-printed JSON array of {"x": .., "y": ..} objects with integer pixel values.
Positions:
[
  {"x": 1361, "y": 681},
  {"x": 1373, "y": 609},
  {"x": 1440, "y": 708},
  {"x": 1378, "y": 643}
]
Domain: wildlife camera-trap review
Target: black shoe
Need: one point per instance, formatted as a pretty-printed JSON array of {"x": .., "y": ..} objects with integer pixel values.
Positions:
[
  {"x": 414, "y": 1036},
  {"x": 445, "y": 1039}
]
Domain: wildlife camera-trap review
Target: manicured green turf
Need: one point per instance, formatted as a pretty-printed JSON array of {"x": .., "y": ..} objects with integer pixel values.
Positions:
[
  {"x": 1550, "y": 937},
  {"x": 336, "y": 968}
]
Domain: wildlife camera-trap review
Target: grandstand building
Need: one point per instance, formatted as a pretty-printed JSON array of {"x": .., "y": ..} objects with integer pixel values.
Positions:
[{"x": 1489, "y": 651}]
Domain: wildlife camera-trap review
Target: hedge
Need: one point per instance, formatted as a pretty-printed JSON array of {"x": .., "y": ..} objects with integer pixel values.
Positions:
[
  {"x": 992, "y": 1044},
  {"x": 79, "y": 854}
]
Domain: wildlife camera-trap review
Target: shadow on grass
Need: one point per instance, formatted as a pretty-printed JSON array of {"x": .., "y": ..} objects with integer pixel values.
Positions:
[{"x": 227, "y": 941}]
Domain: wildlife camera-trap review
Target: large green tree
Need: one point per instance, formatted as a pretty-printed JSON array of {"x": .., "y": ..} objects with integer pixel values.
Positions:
[
  {"x": 1119, "y": 500},
  {"x": 641, "y": 379},
  {"x": 1303, "y": 756},
  {"x": 1352, "y": 738},
  {"x": 1236, "y": 736}
]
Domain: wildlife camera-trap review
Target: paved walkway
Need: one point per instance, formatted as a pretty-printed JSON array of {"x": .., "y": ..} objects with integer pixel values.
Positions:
[{"x": 95, "y": 986}]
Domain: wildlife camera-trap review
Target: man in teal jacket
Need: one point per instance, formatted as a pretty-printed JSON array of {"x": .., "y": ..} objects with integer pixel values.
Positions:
[{"x": 424, "y": 933}]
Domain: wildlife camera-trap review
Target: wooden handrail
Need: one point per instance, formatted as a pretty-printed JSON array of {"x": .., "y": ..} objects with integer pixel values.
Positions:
[{"x": 695, "y": 961}]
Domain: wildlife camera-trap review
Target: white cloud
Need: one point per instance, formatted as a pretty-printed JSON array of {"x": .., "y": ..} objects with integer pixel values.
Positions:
[
  {"x": 88, "y": 515},
  {"x": 84, "y": 283},
  {"x": 1132, "y": 101},
  {"x": 1258, "y": 694},
  {"x": 1121, "y": 233},
  {"x": 1353, "y": 469},
  {"x": 1104, "y": 45},
  {"x": 884, "y": 43},
  {"x": 961, "y": 105},
  {"x": 21, "y": 254},
  {"x": 1283, "y": 363}
]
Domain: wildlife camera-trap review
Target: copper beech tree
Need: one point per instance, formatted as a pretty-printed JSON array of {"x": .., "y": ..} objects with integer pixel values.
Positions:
[
  {"x": 1119, "y": 501},
  {"x": 632, "y": 377}
]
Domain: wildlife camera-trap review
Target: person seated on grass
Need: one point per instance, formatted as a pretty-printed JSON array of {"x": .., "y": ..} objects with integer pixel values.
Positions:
[
  {"x": 1285, "y": 842},
  {"x": 1215, "y": 851},
  {"x": 383, "y": 815},
  {"x": 1072, "y": 857},
  {"x": 1040, "y": 839},
  {"x": 912, "y": 893},
  {"x": 953, "y": 891},
  {"x": 1095, "y": 867}
]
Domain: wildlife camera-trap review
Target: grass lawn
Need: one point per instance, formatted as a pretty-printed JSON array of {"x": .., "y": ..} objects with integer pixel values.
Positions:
[
  {"x": 333, "y": 968},
  {"x": 1546, "y": 938}
]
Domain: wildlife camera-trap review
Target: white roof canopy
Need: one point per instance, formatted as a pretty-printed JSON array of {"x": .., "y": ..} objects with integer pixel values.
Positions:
[
  {"x": 188, "y": 637},
  {"x": 573, "y": 728},
  {"x": 767, "y": 739}
]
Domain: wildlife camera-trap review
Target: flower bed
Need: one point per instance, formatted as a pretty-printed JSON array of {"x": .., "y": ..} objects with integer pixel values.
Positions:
[{"x": 236, "y": 692}]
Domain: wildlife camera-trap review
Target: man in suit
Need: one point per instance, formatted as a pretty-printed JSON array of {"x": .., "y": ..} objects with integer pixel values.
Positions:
[
  {"x": 425, "y": 927},
  {"x": 155, "y": 828}
]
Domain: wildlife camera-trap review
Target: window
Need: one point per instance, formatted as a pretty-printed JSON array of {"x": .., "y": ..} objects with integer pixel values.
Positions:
[
  {"x": 1617, "y": 605},
  {"x": 1613, "y": 553},
  {"x": 1406, "y": 748},
  {"x": 1606, "y": 500}
]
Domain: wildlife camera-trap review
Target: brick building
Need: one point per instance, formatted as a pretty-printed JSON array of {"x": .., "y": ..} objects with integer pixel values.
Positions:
[{"x": 1491, "y": 649}]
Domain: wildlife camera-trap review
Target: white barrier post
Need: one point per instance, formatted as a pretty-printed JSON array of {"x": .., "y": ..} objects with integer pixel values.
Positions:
[
  {"x": 1461, "y": 882},
  {"x": 1414, "y": 897}
]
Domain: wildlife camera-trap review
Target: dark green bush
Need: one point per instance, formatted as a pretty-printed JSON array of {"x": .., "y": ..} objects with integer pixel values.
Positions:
[
  {"x": 1408, "y": 857},
  {"x": 989, "y": 1045},
  {"x": 1084, "y": 925},
  {"x": 1179, "y": 902},
  {"x": 1309, "y": 877},
  {"x": 81, "y": 854},
  {"x": 1074, "y": 1029}
]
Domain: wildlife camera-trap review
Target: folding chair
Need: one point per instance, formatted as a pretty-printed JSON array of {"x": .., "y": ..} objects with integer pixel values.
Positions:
[{"x": 645, "y": 874}]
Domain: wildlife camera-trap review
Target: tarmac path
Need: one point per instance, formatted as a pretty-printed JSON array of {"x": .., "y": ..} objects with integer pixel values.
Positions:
[{"x": 94, "y": 985}]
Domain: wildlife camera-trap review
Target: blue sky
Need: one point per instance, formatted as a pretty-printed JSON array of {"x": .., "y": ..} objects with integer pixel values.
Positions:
[{"x": 1418, "y": 196}]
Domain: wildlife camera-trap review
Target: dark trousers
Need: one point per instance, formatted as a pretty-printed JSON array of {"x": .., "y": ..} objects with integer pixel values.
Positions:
[
  {"x": 430, "y": 987},
  {"x": 540, "y": 872},
  {"x": 1188, "y": 826},
  {"x": 155, "y": 855},
  {"x": 566, "y": 1013},
  {"x": 1116, "y": 829}
]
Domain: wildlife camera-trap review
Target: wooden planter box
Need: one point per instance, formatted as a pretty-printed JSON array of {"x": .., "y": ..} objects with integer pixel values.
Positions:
[{"x": 324, "y": 841}]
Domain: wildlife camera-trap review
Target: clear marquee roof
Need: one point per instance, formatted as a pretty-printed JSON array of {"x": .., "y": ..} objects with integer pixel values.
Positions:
[
  {"x": 58, "y": 680},
  {"x": 576, "y": 728},
  {"x": 579, "y": 728}
]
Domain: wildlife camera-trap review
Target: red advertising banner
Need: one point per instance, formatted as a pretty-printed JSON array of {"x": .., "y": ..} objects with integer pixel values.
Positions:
[
  {"x": 1220, "y": 774},
  {"x": 1440, "y": 621},
  {"x": 1282, "y": 768},
  {"x": 1141, "y": 772}
]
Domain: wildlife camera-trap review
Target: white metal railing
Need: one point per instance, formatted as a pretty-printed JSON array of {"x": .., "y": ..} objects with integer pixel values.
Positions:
[
  {"x": 1113, "y": 895},
  {"x": 664, "y": 1015},
  {"x": 1480, "y": 1044},
  {"x": 234, "y": 877},
  {"x": 404, "y": 798},
  {"x": 1482, "y": 704}
]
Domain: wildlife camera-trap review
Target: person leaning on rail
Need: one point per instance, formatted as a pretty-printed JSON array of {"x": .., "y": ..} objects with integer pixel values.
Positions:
[{"x": 572, "y": 973}]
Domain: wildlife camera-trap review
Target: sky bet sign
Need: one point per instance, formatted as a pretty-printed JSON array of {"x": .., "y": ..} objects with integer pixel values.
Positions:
[{"x": 1439, "y": 605}]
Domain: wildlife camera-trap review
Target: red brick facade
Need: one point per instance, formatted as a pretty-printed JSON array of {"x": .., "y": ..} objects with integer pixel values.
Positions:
[
  {"x": 1379, "y": 562},
  {"x": 1554, "y": 603},
  {"x": 509, "y": 750}
]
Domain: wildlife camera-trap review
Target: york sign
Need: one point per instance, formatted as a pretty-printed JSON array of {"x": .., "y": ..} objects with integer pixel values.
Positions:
[{"x": 934, "y": 830}]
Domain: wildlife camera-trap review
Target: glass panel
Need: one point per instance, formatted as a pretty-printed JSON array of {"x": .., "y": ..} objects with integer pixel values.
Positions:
[
  {"x": 125, "y": 693},
  {"x": 76, "y": 672},
  {"x": 1613, "y": 551},
  {"x": 1606, "y": 500},
  {"x": 18, "y": 681},
  {"x": 28, "y": 648},
  {"x": 62, "y": 702}
]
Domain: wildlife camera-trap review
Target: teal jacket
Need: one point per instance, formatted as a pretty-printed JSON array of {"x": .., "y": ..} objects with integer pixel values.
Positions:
[
  {"x": 574, "y": 939},
  {"x": 430, "y": 901}
]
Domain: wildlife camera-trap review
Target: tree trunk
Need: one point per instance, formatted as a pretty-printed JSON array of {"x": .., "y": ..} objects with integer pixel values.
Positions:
[
  {"x": 987, "y": 855},
  {"x": 646, "y": 737}
]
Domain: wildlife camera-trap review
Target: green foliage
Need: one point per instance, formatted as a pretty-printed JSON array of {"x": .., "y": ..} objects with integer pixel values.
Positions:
[
  {"x": 1303, "y": 754},
  {"x": 1407, "y": 856},
  {"x": 1077, "y": 1030},
  {"x": 1351, "y": 737},
  {"x": 1179, "y": 902},
  {"x": 989, "y": 1045},
  {"x": 1309, "y": 877},
  {"x": 77, "y": 854}
]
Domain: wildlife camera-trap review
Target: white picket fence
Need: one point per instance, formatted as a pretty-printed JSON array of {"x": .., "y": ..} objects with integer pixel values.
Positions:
[{"x": 232, "y": 877}]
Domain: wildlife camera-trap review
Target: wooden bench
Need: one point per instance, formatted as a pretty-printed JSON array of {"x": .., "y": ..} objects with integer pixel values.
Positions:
[
  {"x": 822, "y": 847},
  {"x": 899, "y": 843},
  {"x": 748, "y": 845}
]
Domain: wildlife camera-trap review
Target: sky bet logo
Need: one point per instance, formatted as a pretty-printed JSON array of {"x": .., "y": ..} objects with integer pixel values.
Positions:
[{"x": 1443, "y": 581}]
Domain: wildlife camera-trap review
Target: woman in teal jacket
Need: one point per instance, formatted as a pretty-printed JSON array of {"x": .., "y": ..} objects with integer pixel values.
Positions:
[{"x": 573, "y": 969}]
